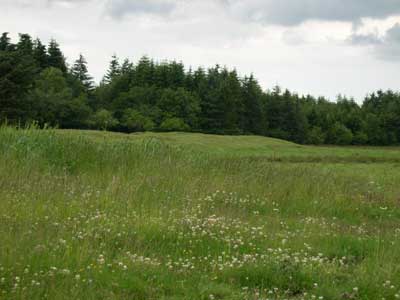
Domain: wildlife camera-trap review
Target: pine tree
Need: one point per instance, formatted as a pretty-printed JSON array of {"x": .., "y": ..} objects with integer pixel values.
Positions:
[
  {"x": 126, "y": 67},
  {"x": 177, "y": 74},
  {"x": 25, "y": 44},
  {"x": 56, "y": 59},
  {"x": 80, "y": 72},
  {"x": 40, "y": 54},
  {"x": 114, "y": 70},
  {"x": 189, "y": 80},
  {"x": 212, "y": 104},
  {"x": 162, "y": 75},
  {"x": 144, "y": 72},
  {"x": 17, "y": 73},
  {"x": 4, "y": 41},
  {"x": 253, "y": 121}
]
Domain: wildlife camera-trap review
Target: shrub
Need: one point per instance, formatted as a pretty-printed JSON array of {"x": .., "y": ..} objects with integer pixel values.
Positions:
[
  {"x": 103, "y": 119},
  {"x": 133, "y": 120},
  {"x": 316, "y": 136},
  {"x": 174, "y": 124}
]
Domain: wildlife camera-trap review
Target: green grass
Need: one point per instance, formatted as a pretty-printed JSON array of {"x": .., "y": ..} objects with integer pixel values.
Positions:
[{"x": 95, "y": 215}]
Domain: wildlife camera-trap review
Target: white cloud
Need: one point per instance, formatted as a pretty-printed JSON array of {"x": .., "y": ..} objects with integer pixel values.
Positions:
[{"x": 311, "y": 57}]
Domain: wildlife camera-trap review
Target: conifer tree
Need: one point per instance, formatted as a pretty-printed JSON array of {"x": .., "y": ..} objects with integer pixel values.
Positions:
[
  {"x": 114, "y": 69},
  {"x": 126, "y": 67},
  {"x": 4, "y": 41},
  {"x": 25, "y": 44},
  {"x": 40, "y": 54},
  {"x": 17, "y": 73},
  {"x": 144, "y": 72},
  {"x": 189, "y": 80},
  {"x": 212, "y": 105},
  {"x": 56, "y": 59},
  {"x": 253, "y": 121},
  {"x": 177, "y": 74},
  {"x": 80, "y": 72}
]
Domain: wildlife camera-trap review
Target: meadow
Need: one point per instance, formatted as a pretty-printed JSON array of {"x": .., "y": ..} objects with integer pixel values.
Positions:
[{"x": 96, "y": 215}]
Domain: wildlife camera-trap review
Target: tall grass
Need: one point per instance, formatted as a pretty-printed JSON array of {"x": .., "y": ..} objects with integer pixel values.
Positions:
[{"x": 88, "y": 215}]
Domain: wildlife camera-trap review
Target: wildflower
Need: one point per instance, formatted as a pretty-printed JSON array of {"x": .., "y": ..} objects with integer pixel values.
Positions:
[{"x": 65, "y": 272}]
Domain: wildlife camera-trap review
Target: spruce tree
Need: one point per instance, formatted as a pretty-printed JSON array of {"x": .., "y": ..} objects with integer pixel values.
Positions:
[
  {"x": 114, "y": 69},
  {"x": 189, "y": 80},
  {"x": 177, "y": 74},
  {"x": 40, "y": 54},
  {"x": 17, "y": 73},
  {"x": 144, "y": 72},
  {"x": 80, "y": 72},
  {"x": 253, "y": 121},
  {"x": 56, "y": 59},
  {"x": 25, "y": 44},
  {"x": 4, "y": 41},
  {"x": 126, "y": 67},
  {"x": 212, "y": 104}
]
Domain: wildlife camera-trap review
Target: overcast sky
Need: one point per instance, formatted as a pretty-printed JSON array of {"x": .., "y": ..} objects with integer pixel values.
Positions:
[{"x": 321, "y": 47}]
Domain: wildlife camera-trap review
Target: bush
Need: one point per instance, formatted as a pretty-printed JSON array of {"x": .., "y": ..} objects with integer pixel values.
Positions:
[
  {"x": 133, "y": 120},
  {"x": 316, "y": 136},
  {"x": 103, "y": 119},
  {"x": 340, "y": 135},
  {"x": 174, "y": 124},
  {"x": 360, "y": 138}
]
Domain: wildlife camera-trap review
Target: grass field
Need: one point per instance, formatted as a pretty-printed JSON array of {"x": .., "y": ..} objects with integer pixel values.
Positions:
[{"x": 94, "y": 215}]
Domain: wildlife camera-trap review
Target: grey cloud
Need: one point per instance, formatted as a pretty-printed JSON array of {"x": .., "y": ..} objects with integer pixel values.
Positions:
[
  {"x": 390, "y": 48},
  {"x": 294, "y": 12},
  {"x": 275, "y": 12},
  {"x": 120, "y": 8},
  {"x": 386, "y": 47},
  {"x": 394, "y": 33},
  {"x": 365, "y": 39}
]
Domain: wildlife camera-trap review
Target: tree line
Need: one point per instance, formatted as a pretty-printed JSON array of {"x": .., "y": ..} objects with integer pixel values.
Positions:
[{"x": 37, "y": 85}]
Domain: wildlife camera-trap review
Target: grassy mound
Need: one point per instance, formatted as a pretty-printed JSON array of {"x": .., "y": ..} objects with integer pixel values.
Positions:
[{"x": 94, "y": 215}]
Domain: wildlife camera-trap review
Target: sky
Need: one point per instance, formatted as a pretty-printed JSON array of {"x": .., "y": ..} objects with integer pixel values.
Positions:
[{"x": 318, "y": 47}]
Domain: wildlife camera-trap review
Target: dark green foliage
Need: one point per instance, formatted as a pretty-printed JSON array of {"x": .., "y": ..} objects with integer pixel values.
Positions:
[
  {"x": 37, "y": 85},
  {"x": 17, "y": 73},
  {"x": 174, "y": 124},
  {"x": 55, "y": 103},
  {"x": 103, "y": 119},
  {"x": 56, "y": 59},
  {"x": 25, "y": 44},
  {"x": 4, "y": 41},
  {"x": 339, "y": 134},
  {"x": 80, "y": 72},
  {"x": 114, "y": 70},
  {"x": 252, "y": 118},
  {"x": 383, "y": 117},
  {"x": 133, "y": 121},
  {"x": 285, "y": 115},
  {"x": 316, "y": 136},
  {"x": 49, "y": 95},
  {"x": 40, "y": 54},
  {"x": 179, "y": 104}
]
